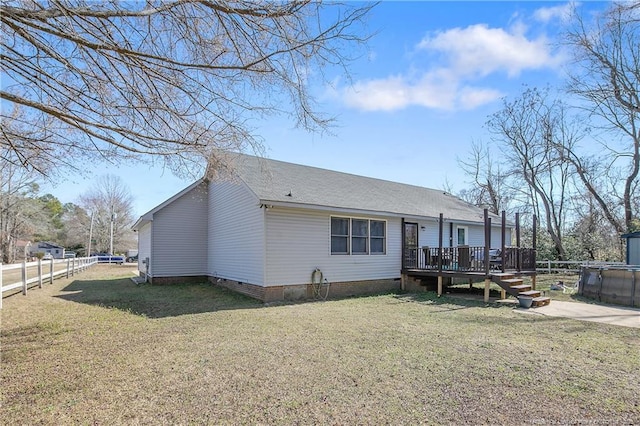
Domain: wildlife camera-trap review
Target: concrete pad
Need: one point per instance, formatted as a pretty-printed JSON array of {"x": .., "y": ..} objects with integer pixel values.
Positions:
[{"x": 608, "y": 314}]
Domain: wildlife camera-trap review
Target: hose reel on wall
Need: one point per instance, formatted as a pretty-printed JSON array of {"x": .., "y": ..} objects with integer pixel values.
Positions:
[{"x": 317, "y": 282}]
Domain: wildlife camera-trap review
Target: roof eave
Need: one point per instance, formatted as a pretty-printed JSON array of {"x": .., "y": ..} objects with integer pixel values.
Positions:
[{"x": 345, "y": 210}]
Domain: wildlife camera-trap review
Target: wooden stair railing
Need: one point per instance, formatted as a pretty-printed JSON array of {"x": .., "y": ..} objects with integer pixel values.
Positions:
[{"x": 516, "y": 287}]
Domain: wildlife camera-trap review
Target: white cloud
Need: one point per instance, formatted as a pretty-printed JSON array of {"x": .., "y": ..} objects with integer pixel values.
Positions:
[
  {"x": 436, "y": 90},
  {"x": 463, "y": 57},
  {"x": 562, "y": 12},
  {"x": 480, "y": 50}
]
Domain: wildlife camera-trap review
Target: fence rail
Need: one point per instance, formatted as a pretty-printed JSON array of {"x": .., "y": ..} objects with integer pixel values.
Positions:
[
  {"x": 27, "y": 274},
  {"x": 571, "y": 266}
]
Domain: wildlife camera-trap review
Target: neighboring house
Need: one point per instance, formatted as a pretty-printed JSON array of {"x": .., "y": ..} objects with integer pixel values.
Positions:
[
  {"x": 272, "y": 229},
  {"x": 46, "y": 247},
  {"x": 22, "y": 250}
]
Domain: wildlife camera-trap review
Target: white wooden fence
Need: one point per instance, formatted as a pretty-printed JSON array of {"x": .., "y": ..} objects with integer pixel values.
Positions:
[
  {"x": 571, "y": 267},
  {"x": 29, "y": 274}
]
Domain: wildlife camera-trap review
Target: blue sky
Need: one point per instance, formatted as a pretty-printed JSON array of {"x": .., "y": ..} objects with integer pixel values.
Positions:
[{"x": 418, "y": 97}]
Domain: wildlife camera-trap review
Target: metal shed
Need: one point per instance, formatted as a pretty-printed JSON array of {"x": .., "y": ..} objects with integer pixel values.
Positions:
[{"x": 633, "y": 248}]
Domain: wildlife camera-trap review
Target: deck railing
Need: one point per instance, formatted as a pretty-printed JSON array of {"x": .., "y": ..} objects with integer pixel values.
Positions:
[{"x": 469, "y": 259}]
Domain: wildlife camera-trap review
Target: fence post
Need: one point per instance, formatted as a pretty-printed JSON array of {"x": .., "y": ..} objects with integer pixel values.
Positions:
[
  {"x": 40, "y": 273},
  {"x": 73, "y": 266},
  {"x": 51, "y": 271},
  {"x": 67, "y": 268},
  {"x": 0, "y": 285},
  {"x": 24, "y": 277},
  {"x": 549, "y": 267},
  {"x": 633, "y": 287}
]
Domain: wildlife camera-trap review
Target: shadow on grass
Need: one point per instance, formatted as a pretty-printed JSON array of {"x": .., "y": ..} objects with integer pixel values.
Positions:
[
  {"x": 156, "y": 301},
  {"x": 451, "y": 300},
  {"x": 459, "y": 300}
]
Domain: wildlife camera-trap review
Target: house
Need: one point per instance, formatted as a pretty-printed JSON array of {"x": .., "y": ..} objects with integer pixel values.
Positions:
[
  {"x": 275, "y": 230},
  {"x": 46, "y": 247},
  {"x": 22, "y": 249}
]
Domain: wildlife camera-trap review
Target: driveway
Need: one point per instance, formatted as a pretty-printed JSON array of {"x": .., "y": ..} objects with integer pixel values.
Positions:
[{"x": 608, "y": 314}]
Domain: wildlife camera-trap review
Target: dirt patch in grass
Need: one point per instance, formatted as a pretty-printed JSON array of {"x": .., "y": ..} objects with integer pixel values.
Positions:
[{"x": 100, "y": 349}]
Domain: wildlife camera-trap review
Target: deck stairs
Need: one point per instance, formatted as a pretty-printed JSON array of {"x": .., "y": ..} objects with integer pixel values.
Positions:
[{"x": 515, "y": 286}]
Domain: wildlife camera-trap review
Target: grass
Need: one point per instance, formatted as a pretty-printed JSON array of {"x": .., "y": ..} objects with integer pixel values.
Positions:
[{"x": 100, "y": 349}]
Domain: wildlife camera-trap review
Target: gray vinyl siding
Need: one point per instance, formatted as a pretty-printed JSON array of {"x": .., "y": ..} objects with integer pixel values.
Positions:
[
  {"x": 144, "y": 246},
  {"x": 496, "y": 238},
  {"x": 179, "y": 238},
  {"x": 298, "y": 241},
  {"x": 236, "y": 233},
  {"x": 476, "y": 236},
  {"x": 429, "y": 235}
]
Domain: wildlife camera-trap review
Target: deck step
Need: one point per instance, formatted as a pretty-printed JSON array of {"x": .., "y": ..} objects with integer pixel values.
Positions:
[
  {"x": 531, "y": 293},
  {"x": 521, "y": 288},
  {"x": 540, "y": 301},
  {"x": 503, "y": 275},
  {"x": 512, "y": 281}
]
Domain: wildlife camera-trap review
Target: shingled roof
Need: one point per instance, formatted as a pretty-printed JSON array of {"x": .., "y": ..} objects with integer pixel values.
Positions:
[{"x": 278, "y": 182}]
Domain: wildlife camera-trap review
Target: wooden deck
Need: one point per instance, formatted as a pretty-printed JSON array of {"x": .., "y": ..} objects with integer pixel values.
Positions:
[
  {"x": 467, "y": 260},
  {"x": 505, "y": 265},
  {"x": 511, "y": 282}
]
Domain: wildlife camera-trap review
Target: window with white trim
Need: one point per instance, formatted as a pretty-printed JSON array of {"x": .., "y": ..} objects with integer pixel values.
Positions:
[
  {"x": 339, "y": 235},
  {"x": 358, "y": 236},
  {"x": 378, "y": 236}
]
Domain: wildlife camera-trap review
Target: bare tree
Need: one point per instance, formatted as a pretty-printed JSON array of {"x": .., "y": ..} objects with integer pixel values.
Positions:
[
  {"x": 17, "y": 187},
  {"x": 178, "y": 80},
  {"x": 77, "y": 223},
  {"x": 489, "y": 184},
  {"x": 607, "y": 77},
  {"x": 592, "y": 237},
  {"x": 111, "y": 204},
  {"x": 529, "y": 131}
]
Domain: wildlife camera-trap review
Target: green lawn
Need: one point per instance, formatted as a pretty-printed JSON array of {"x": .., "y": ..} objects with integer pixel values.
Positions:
[{"x": 99, "y": 349}]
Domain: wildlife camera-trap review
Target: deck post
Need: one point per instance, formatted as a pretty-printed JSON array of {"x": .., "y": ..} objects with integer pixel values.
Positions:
[
  {"x": 533, "y": 282},
  {"x": 440, "y": 232},
  {"x": 439, "y": 285},
  {"x": 487, "y": 284},
  {"x": 504, "y": 238},
  {"x": 535, "y": 236},
  {"x": 487, "y": 241},
  {"x": 518, "y": 254}
]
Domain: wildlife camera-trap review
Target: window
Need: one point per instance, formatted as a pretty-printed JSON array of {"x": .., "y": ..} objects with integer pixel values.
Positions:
[
  {"x": 378, "y": 237},
  {"x": 339, "y": 235},
  {"x": 358, "y": 236}
]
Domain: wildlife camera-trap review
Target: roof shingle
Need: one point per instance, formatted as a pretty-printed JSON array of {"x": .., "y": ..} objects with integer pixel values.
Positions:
[{"x": 281, "y": 182}]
